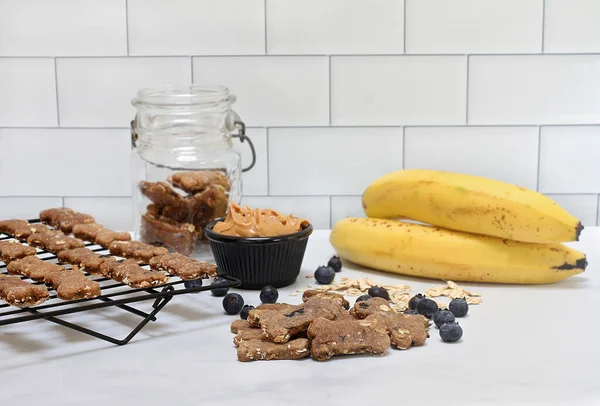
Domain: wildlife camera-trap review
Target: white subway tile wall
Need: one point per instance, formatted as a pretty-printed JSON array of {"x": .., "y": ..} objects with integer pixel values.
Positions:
[
  {"x": 502, "y": 153},
  {"x": 584, "y": 207},
  {"x": 534, "y": 89},
  {"x": 27, "y": 208},
  {"x": 64, "y": 162},
  {"x": 255, "y": 181},
  {"x": 572, "y": 26},
  {"x": 196, "y": 27},
  {"x": 97, "y": 92},
  {"x": 27, "y": 92},
  {"x": 324, "y": 161},
  {"x": 397, "y": 90},
  {"x": 334, "y": 94},
  {"x": 272, "y": 91},
  {"x": 473, "y": 26},
  {"x": 570, "y": 159},
  {"x": 112, "y": 212},
  {"x": 63, "y": 28},
  {"x": 346, "y": 206},
  {"x": 335, "y": 27}
]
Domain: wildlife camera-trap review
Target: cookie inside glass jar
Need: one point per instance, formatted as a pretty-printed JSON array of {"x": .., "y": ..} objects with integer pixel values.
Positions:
[
  {"x": 185, "y": 168},
  {"x": 181, "y": 206}
]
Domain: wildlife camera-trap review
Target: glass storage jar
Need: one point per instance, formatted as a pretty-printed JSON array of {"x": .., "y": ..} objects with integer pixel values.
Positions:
[{"x": 184, "y": 169}]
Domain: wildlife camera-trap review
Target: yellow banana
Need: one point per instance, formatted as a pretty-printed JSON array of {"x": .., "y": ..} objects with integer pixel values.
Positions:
[
  {"x": 432, "y": 252},
  {"x": 472, "y": 204}
]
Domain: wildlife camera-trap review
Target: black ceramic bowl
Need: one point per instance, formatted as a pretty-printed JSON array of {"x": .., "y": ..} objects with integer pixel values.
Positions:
[{"x": 259, "y": 261}]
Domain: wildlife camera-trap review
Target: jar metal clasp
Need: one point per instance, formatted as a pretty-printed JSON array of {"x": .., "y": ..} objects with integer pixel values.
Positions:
[
  {"x": 241, "y": 134},
  {"x": 134, "y": 134}
]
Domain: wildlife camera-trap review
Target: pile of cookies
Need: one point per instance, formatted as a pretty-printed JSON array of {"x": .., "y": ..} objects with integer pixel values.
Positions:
[
  {"x": 177, "y": 221},
  {"x": 322, "y": 327},
  {"x": 71, "y": 284}
]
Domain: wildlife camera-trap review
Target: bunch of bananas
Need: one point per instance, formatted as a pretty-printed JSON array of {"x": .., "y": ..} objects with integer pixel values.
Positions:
[{"x": 476, "y": 230}]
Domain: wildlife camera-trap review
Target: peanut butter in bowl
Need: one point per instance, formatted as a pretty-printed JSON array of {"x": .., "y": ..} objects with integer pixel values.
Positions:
[
  {"x": 259, "y": 247},
  {"x": 247, "y": 222}
]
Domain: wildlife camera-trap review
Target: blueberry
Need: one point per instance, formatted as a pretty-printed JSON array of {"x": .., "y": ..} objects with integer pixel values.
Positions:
[
  {"x": 377, "y": 291},
  {"x": 459, "y": 307},
  {"x": 363, "y": 297},
  {"x": 427, "y": 308},
  {"x": 233, "y": 303},
  {"x": 219, "y": 291},
  {"x": 451, "y": 332},
  {"x": 414, "y": 301},
  {"x": 442, "y": 317},
  {"x": 269, "y": 294},
  {"x": 335, "y": 263},
  {"x": 193, "y": 284},
  {"x": 324, "y": 275},
  {"x": 245, "y": 310},
  {"x": 411, "y": 312}
]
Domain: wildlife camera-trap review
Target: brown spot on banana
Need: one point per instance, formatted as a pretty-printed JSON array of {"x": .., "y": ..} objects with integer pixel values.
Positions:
[
  {"x": 578, "y": 230},
  {"x": 581, "y": 263}
]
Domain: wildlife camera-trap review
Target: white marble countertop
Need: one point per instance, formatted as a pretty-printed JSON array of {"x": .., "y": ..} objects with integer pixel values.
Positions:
[{"x": 522, "y": 345}]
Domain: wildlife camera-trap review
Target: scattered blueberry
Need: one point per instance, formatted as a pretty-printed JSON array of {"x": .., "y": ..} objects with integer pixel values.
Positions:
[
  {"x": 427, "y": 308},
  {"x": 193, "y": 284},
  {"x": 363, "y": 297},
  {"x": 459, "y": 307},
  {"x": 219, "y": 291},
  {"x": 233, "y": 303},
  {"x": 377, "y": 291},
  {"x": 335, "y": 263},
  {"x": 324, "y": 275},
  {"x": 245, "y": 310},
  {"x": 269, "y": 294},
  {"x": 451, "y": 332},
  {"x": 414, "y": 301},
  {"x": 411, "y": 311},
  {"x": 442, "y": 317}
]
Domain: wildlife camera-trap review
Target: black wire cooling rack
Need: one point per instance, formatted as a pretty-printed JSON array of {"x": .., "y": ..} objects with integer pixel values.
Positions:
[{"x": 114, "y": 294}]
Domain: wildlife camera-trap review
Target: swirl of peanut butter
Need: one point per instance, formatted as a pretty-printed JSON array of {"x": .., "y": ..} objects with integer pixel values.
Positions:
[{"x": 247, "y": 222}]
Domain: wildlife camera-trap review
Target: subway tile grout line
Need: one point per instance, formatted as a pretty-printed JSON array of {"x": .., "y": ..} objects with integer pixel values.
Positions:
[
  {"x": 249, "y": 195},
  {"x": 192, "y": 67},
  {"x": 330, "y": 91},
  {"x": 64, "y": 128},
  {"x": 127, "y": 24},
  {"x": 30, "y": 197},
  {"x": 467, "y": 97},
  {"x": 97, "y": 197},
  {"x": 406, "y": 55},
  {"x": 330, "y": 211},
  {"x": 403, "y": 147},
  {"x": 307, "y": 196},
  {"x": 56, "y": 91},
  {"x": 359, "y": 194},
  {"x": 404, "y": 23},
  {"x": 62, "y": 197},
  {"x": 268, "y": 163},
  {"x": 265, "y": 24},
  {"x": 597, "y": 211},
  {"x": 537, "y": 187},
  {"x": 333, "y": 126},
  {"x": 543, "y": 23}
]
